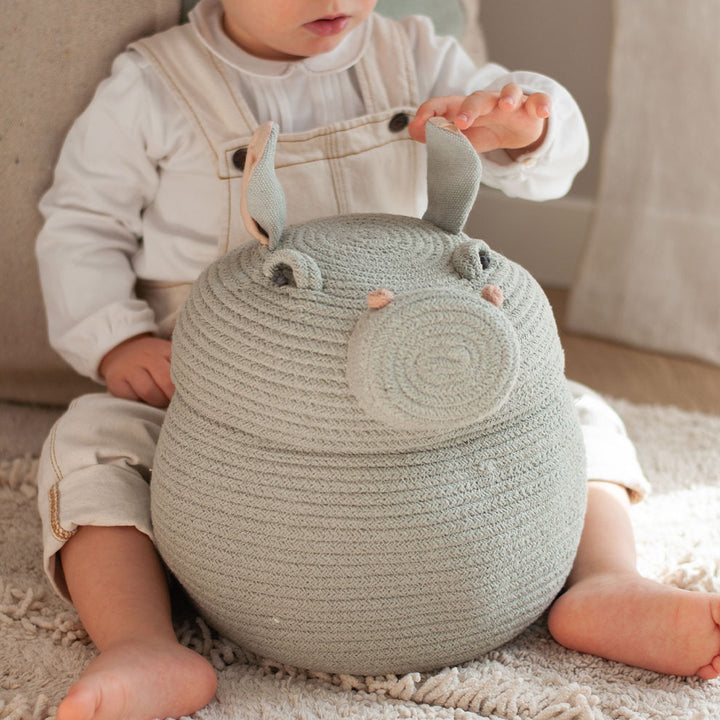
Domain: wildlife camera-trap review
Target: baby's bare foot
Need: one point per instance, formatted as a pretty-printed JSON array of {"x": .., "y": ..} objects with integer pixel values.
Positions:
[
  {"x": 140, "y": 680},
  {"x": 640, "y": 622}
]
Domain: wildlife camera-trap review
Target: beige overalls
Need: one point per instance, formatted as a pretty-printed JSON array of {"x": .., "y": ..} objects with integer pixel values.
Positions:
[{"x": 95, "y": 465}]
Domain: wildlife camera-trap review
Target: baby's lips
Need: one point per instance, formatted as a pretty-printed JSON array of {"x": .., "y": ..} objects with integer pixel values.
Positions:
[{"x": 328, "y": 26}]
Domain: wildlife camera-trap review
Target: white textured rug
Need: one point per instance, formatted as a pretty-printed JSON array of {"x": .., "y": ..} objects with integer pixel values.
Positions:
[{"x": 43, "y": 648}]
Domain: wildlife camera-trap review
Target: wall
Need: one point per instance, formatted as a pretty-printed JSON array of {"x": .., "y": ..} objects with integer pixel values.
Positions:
[{"x": 570, "y": 41}]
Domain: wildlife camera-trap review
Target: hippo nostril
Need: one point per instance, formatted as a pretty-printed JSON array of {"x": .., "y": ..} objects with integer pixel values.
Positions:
[
  {"x": 493, "y": 294},
  {"x": 379, "y": 299}
]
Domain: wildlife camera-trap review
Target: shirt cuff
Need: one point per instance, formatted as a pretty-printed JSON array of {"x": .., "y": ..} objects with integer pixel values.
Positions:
[
  {"x": 611, "y": 455},
  {"x": 86, "y": 344},
  {"x": 548, "y": 171}
]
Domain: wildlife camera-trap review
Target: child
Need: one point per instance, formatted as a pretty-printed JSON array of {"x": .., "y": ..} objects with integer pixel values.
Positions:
[{"x": 158, "y": 155}]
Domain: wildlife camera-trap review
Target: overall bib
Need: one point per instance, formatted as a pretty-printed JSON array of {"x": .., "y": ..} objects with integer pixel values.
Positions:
[
  {"x": 96, "y": 464},
  {"x": 365, "y": 164}
]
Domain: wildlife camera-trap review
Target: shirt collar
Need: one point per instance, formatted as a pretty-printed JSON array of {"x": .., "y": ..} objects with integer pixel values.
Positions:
[{"x": 206, "y": 19}]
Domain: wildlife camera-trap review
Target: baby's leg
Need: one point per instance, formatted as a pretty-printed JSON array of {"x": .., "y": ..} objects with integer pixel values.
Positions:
[
  {"x": 118, "y": 587},
  {"x": 94, "y": 501},
  {"x": 608, "y": 609}
]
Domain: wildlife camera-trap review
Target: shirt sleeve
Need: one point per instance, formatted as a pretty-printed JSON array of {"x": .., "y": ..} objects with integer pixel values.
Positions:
[
  {"x": 444, "y": 68},
  {"x": 104, "y": 179}
]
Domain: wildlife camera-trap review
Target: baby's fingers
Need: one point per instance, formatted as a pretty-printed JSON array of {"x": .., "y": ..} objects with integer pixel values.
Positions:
[
  {"x": 162, "y": 388},
  {"x": 475, "y": 105},
  {"x": 511, "y": 97},
  {"x": 147, "y": 388},
  {"x": 539, "y": 105},
  {"x": 435, "y": 107}
]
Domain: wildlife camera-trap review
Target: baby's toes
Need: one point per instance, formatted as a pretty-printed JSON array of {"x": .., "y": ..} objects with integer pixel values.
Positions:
[{"x": 711, "y": 671}]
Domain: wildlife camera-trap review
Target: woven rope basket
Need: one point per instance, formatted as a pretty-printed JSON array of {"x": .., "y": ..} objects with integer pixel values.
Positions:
[{"x": 368, "y": 490}]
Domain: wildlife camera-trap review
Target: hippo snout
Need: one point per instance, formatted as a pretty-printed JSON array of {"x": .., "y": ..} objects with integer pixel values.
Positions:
[{"x": 432, "y": 359}]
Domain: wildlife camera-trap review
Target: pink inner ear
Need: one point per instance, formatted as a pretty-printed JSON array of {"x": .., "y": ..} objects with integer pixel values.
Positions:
[
  {"x": 255, "y": 151},
  {"x": 441, "y": 122}
]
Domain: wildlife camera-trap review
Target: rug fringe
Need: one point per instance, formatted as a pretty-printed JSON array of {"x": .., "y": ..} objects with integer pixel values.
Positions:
[
  {"x": 20, "y": 474},
  {"x": 20, "y": 708},
  {"x": 29, "y": 609},
  {"x": 455, "y": 688}
]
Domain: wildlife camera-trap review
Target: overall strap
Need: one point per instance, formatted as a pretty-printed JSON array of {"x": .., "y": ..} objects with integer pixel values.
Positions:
[
  {"x": 197, "y": 78},
  {"x": 386, "y": 72}
]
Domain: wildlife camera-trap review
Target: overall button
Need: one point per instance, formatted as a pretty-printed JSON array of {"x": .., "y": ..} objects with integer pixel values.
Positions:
[
  {"x": 239, "y": 157},
  {"x": 399, "y": 122}
]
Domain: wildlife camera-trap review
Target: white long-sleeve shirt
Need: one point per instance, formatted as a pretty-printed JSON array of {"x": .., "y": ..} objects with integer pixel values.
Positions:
[{"x": 112, "y": 216}]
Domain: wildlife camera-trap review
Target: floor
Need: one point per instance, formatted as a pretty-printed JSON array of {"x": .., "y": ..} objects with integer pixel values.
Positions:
[{"x": 641, "y": 377}]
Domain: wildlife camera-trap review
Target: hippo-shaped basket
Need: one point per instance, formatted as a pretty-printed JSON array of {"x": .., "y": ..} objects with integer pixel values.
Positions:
[{"x": 371, "y": 463}]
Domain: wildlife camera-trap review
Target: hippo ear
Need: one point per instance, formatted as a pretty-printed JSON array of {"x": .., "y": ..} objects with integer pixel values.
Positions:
[
  {"x": 453, "y": 175},
  {"x": 263, "y": 201}
]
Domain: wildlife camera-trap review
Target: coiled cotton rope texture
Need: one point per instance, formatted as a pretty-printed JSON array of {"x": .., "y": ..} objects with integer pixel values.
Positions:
[{"x": 310, "y": 530}]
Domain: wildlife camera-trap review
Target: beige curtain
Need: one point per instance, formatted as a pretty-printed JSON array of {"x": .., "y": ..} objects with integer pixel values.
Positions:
[{"x": 650, "y": 276}]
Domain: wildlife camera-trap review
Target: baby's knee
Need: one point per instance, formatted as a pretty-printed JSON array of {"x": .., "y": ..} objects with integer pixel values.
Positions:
[
  {"x": 94, "y": 470},
  {"x": 101, "y": 429}
]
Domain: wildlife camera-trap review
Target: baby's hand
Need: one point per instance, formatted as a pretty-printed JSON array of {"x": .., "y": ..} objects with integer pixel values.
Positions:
[
  {"x": 508, "y": 119},
  {"x": 139, "y": 369}
]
